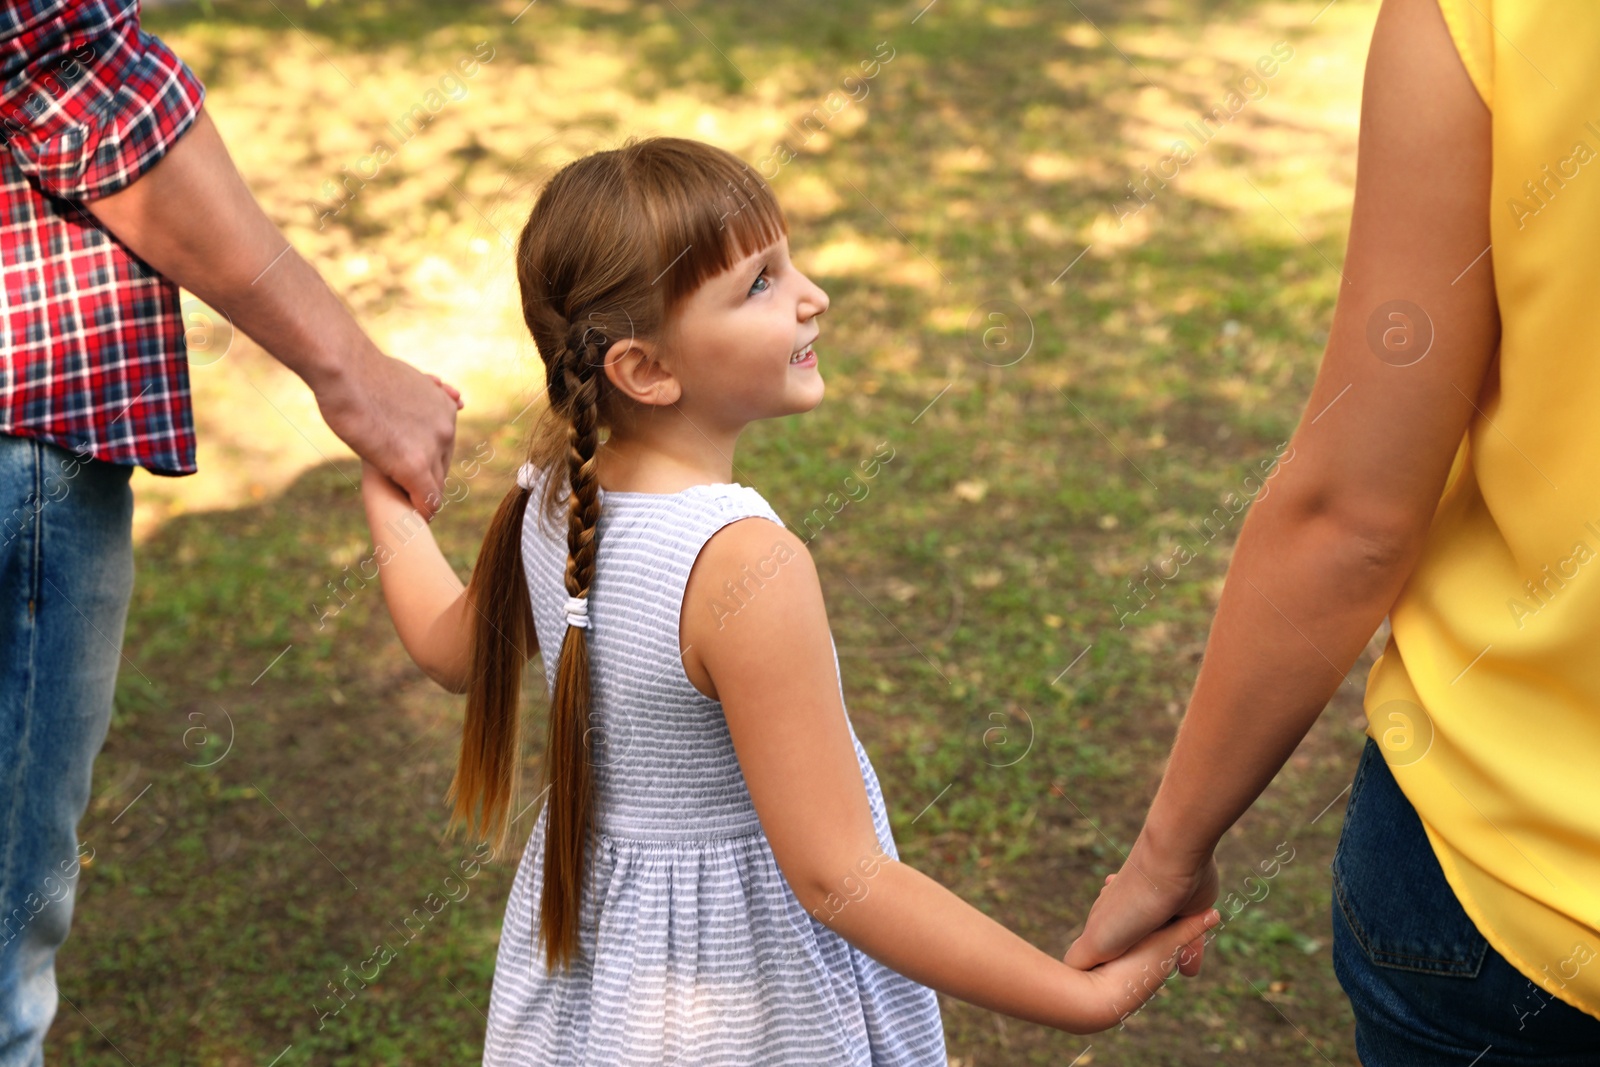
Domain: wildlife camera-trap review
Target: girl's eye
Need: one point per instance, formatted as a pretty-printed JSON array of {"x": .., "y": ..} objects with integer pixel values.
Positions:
[{"x": 760, "y": 279}]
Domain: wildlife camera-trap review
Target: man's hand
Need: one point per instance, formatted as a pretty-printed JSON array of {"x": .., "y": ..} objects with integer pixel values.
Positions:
[
  {"x": 1148, "y": 893},
  {"x": 400, "y": 420}
]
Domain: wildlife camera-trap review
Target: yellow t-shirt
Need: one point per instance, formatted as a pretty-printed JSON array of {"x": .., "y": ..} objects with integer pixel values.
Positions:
[{"x": 1487, "y": 699}]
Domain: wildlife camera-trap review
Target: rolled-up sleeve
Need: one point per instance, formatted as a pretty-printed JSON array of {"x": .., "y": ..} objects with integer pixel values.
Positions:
[{"x": 89, "y": 101}]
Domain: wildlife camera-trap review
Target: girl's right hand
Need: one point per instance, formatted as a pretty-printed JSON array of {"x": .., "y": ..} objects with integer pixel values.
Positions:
[
  {"x": 451, "y": 391},
  {"x": 374, "y": 483}
]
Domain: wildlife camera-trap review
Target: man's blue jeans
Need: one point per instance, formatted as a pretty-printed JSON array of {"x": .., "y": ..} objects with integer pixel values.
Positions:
[
  {"x": 1426, "y": 986},
  {"x": 66, "y": 574}
]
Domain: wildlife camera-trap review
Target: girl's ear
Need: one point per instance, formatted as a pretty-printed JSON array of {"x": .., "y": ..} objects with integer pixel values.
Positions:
[{"x": 634, "y": 369}]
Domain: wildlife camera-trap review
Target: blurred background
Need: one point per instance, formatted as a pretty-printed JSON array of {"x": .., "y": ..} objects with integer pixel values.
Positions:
[{"x": 1082, "y": 344}]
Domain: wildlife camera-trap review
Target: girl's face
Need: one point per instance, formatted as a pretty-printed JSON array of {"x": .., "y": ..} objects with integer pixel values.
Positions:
[{"x": 736, "y": 338}]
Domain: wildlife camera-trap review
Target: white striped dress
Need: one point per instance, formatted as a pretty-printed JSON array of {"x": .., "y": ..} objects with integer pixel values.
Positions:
[{"x": 693, "y": 950}]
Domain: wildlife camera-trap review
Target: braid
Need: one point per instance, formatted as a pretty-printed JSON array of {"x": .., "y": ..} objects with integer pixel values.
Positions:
[
  {"x": 575, "y": 384},
  {"x": 581, "y": 390}
]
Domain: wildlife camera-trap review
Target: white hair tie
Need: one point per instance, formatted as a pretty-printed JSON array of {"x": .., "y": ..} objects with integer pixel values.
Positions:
[
  {"x": 526, "y": 474},
  {"x": 578, "y": 612}
]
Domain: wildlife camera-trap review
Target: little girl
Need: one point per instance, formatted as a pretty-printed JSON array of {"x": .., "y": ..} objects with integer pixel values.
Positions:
[{"x": 711, "y": 879}]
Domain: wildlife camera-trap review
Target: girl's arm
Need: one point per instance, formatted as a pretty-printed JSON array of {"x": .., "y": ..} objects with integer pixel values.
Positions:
[
  {"x": 772, "y": 666},
  {"x": 426, "y": 600},
  {"x": 1323, "y": 555}
]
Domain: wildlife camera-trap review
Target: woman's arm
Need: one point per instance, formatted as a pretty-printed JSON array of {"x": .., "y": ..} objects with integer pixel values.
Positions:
[
  {"x": 1322, "y": 556},
  {"x": 771, "y": 664},
  {"x": 426, "y": 600}
]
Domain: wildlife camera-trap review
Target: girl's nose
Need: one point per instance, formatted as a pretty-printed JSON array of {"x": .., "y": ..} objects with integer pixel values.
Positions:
[{"x": 814, "y": 302}]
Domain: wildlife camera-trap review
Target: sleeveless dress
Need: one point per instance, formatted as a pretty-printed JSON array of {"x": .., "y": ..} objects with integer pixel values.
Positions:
[{"x": 693, "y": 950}]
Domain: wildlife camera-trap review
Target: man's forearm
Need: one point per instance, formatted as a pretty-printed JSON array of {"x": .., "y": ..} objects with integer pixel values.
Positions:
[
  {"x": 1302, "y": 598},
  {"x": 192, "y": 218}
]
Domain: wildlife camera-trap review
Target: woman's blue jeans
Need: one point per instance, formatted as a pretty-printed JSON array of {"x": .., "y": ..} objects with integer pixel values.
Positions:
[
  {"x": 1426, "y": 987},
  {"x": 66, "y": 574}
]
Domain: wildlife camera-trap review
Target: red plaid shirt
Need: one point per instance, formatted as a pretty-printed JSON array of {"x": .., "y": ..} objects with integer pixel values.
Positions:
[{"x": 92, "y": 352}]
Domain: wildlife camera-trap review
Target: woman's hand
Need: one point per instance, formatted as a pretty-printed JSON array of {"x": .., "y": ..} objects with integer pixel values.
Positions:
[{"x": 1151, "y": 891}]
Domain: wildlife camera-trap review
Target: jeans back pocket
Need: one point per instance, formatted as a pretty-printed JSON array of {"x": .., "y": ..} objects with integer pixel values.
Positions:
[{"x": 1390, "y": 886}]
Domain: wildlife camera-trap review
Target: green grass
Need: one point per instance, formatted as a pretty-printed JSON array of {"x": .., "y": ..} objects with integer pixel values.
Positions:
[{"x": 989, "y": 554}]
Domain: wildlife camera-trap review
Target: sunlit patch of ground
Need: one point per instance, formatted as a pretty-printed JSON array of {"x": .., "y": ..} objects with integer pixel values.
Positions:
[{"x": 419, "y": 246}]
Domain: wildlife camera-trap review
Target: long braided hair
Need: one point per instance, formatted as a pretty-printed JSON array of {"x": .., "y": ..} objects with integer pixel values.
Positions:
[{"x": 613, "y": 245}]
